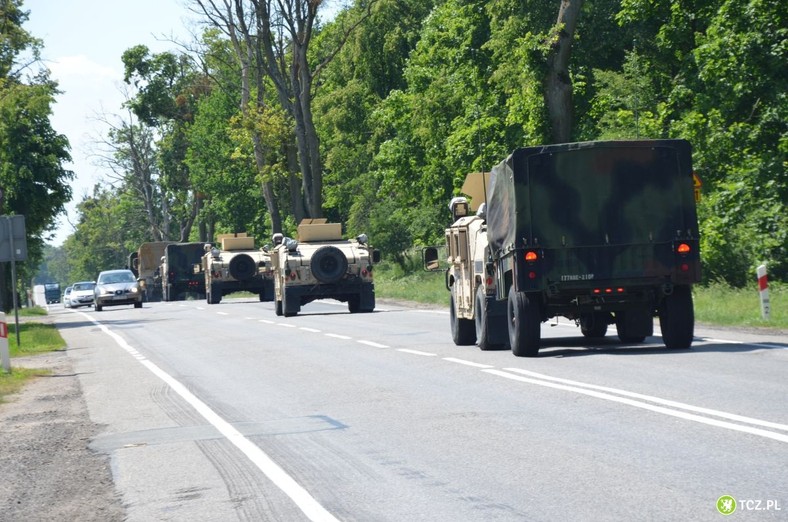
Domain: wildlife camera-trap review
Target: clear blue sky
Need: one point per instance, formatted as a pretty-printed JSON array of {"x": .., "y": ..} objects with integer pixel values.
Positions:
[{"x": 83, "y": 43}]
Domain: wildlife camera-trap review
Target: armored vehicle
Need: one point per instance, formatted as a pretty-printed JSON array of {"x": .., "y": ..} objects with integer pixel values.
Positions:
[
  {"x": 322, "y": 265},
  {"x": 599, "y": 232},
  {"x": 236, "y": 267},
  {"x": 181, "y": 271},
  {"x": 146, "y": 266}
]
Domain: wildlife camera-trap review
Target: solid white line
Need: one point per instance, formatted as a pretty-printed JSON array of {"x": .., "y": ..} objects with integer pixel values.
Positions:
[
  {"x": 337, "y": 336},
  {"x": 300, "y": 496},
  {"x": 416, "y": 352},
  {"x": 373, "y": 344},
  {"x": 467, "y": 363},
  {"x": 651, "y": 407},
  {"x": 658, "y": 400}
]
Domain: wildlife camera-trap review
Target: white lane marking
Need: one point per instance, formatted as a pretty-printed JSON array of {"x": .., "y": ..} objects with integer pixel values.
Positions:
[
  {"x": 200, "y": 307},
  {"x": 759, "y": 345},
  {"x": 313, "y": 330},
  {"x": 337, "y": 336},
  {"x": 286, "y": 325},
  {"x": 300, "y": 496},
  {"x": 643, "y": 405},
  {"x": 416, "y": 352},
  {"x": 658, "y": 400},
  {"x": 222, "y": 313},
  {"x": 266, "y": 321},
  {"x": 373, "y": 344},
  {"x": 467, "y": 363}
]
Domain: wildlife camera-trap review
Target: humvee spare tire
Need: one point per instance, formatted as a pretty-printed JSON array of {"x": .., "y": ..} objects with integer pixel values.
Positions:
[
  {"x": 242, "y": 267},
  {"x": 329, "y": 264}
]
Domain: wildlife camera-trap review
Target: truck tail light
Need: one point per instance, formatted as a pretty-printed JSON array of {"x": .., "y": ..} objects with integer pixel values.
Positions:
[
  {"x": 531, "y": 256},
  {"x": 683, "y": 249}
]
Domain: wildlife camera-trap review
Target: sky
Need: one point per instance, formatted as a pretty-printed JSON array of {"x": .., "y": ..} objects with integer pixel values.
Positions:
[{"x": 83, "y": 43}]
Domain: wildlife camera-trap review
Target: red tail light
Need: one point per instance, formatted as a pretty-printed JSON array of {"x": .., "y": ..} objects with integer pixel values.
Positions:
[
  {"x": 683, "y": 249},
  {"x": 531, "y": 256}
]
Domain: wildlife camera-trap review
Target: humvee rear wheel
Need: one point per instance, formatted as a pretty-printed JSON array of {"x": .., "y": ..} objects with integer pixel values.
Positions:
[
  {"x": 463, "y": 331},
  {"x": 524, "y": 324},
  {"x": 354, "y": 303},
  {"x": 278, "y": 307},
  {"x": 634, "y": 325},
  {"x": 328, "y": 264},
  {"x": 213, "y": 294},
  {"x": 677, "y": 319},
  {"x": 291, "y": 304}
]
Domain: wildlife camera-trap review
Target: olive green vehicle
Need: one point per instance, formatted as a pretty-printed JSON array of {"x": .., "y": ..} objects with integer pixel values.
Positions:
[
  {"x": 237, "y": 267},
  {"x": 322, "y": 265},
  {"x": 598, "y": 232},
  {"x": 181, "y": 273}
]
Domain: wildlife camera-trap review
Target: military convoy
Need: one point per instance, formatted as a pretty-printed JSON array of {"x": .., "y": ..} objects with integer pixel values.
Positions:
[
  {"x": 600, "y": 233},
  {"x": 322, "y": 265},
  {"x": 235, "y": 267},
  {"x": 181, "y": 273}
]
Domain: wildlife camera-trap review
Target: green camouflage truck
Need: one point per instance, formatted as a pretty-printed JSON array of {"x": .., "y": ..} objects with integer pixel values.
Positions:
[
  {"x": 598, "y": 232},
  {"x": 181, "y": 271}
]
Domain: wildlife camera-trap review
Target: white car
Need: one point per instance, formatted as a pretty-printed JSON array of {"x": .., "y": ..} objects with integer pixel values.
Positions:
[{"x": 81, "y": 294}]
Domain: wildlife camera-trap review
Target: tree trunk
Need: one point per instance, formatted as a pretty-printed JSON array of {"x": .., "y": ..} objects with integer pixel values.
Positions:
[{"x": 558, "y": 84}]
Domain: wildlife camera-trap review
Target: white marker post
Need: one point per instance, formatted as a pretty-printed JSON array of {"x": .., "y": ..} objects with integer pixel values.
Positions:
[
  {"x": 4, "y": 353},
  {"x": 763, "y": 289}
]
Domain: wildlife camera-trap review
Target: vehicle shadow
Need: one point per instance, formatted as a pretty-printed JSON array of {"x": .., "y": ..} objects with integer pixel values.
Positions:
[{"x": 580, "y": 346}]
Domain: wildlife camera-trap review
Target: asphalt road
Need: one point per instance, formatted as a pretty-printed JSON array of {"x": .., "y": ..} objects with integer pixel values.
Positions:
[{"x": 228, "y": 412}]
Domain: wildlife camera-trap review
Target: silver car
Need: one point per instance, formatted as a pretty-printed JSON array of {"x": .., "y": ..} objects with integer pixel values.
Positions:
[
  {"x": 116, "y": 287},
  {"x": 81, "y": 294}
]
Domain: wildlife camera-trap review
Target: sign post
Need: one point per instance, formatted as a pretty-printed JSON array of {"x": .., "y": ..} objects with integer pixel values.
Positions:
[
  {"x": 4, "y": 352},
  {"x": 763, "y": 289},
  {"x": 13, "y": 247}
]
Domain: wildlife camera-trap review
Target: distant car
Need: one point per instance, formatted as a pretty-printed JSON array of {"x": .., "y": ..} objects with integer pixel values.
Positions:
[
  {"x": 67, "y": 297},
  {"x": 116, "y": 287},
  {"x": 81, "y": 294}
]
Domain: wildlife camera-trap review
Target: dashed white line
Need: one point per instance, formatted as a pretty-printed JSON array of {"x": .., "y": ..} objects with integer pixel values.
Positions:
[
  {"x": 373, "y": 344},
  {"x": 286, "y": 325},
  {"x": 337, "y": 336},
  {"x": 313, "y": 330},
  {"x": 467, "y": 363},
  {"x": 266, "y": 321},
  {"x": 222, "y": 313},
  {"x": 417, "y": 352}
]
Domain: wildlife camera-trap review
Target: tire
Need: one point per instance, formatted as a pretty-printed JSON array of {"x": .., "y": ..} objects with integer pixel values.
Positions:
[
  {"x": 463, "y": 331},
  {"x": 594, "y": 325},
  {"x": 242, "y": 267},
  {"x": 278, "y": 308},
  {"x": 138, "y": 304},
  {"x": 98, "y": 307},
  {"x": 213, "y": 294},
  {"x": 524, "y": 321},
  {"x": 482, "y": 323},
  {"x": 354, "y": 303},
  {"x": 624, "y": 321},
  {"x": 328, "y": 264},
  {"x": 290, "y": 305},
  {"x": 677, "y": 319}
]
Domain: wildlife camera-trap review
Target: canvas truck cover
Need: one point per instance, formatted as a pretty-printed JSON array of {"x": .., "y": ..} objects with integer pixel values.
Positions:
[{"x": 589, "y": 194}]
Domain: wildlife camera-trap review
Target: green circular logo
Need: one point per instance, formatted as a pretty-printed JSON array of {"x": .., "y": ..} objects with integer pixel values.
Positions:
[{"x": 726, "y": 505}]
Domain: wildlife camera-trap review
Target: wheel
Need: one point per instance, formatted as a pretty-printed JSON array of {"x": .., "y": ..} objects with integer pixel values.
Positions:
[
  {"x": 677, "y": 319},
  {"x": 633, "y": 325},
  {"x": 290, "y": 304},
  {"x": 213, "y": 294},
  {"x": 463, "y": 331},
  {"x": 524, "y": 324},
  {"x": 98, "y": 307},
  {"x": 354, "y": 303},
  {"x": 242, "y": 267},
  {"x": 138, "y": 304},
  {"x": 328, "y": 264},
  {"x": 482, "y": 323},
  {"x": 278, "y": 308},
  {"x": 594, "y": 325}
]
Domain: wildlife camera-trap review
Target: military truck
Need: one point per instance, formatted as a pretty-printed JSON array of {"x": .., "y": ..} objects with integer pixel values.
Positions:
[
  {"x": 322, "y": 265},
  {"x": 598, "y": 232},
  {"x": 146, "y": 265},
  {"x": 236, "y": 267},
  {"x": 181, "y": 271}
]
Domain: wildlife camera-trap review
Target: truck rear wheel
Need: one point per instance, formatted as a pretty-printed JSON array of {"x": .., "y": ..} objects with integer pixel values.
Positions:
[
  {"x": 278, "y": 308},
  {"x": 594, "y": 325},
  {"x": 524, "y": 324},
  {"x": 213, "y": 294},
  {"x": 677, "y": 319},
  {"x": 463, "y": 331},
  {"x": 482, "y": 323},
  {"x": 634, "y": 325}
]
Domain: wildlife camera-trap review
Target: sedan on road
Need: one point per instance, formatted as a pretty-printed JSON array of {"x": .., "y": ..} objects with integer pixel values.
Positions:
[
  {"x": 81, "y": 294},
  {"x": 116, "y": 287}
]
